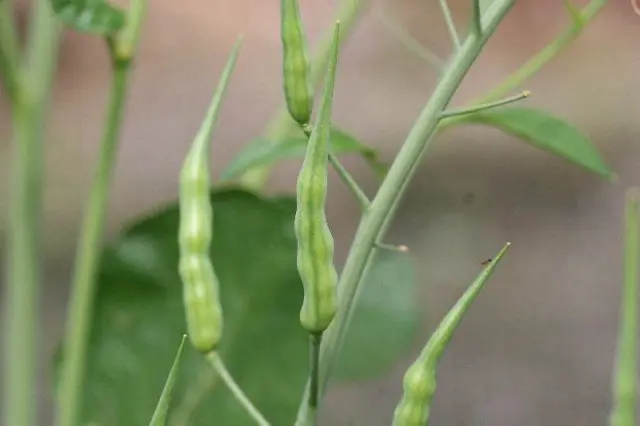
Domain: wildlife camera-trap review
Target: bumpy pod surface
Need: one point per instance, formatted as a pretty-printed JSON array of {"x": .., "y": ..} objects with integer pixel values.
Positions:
[
  {"x": 315, "y": 243},
  {"x": 200, "y": 284},
  {"x": 298, "y": 87},
  {"x": 419, "y": 385}
]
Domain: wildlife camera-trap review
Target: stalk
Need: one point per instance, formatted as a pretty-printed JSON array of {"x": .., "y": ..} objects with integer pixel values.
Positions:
[
  {"x": 374, "y": 222},
  {"x": 30, "y": 100},
  {"x": 122, "y": 49}
]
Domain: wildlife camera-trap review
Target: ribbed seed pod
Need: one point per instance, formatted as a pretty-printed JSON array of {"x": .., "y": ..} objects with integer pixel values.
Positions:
[
  {"x": 298, "y": 87},
  {"x": 315, "y": 243},
  {"x": 199, "y": 282},
  {"x": 419, "y": 384}
]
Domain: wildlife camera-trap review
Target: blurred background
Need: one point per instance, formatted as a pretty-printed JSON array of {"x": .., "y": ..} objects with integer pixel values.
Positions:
[{"x": 538, "y": 346}]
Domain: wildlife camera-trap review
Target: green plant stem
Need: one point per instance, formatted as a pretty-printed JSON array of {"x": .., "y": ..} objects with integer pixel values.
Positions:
[
  {"x": 408, "y": 41},
  {"x": 482, "y": 107},
  {"x": 543, "y": 57},
  {"x": 23, "y": 257},
  {"x": 235, "y": 389},
  {"x": 451, "y": 26},
  {"x": 87, "y": 255},
  {"x": 9, "y": 52},
  {"x": 624, "y": 392},
  {"x": 345, "y": 176},
  {"x": 350, "y": 182},
  {"x": 535, "y": 64},
  {"x": 282, "y": 125},
  {"x": 374, "y": 222},
  {"x": 314, "y": 378}
]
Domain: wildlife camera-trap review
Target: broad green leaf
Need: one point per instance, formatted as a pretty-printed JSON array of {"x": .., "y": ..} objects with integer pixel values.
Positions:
[
  {"x": 389, "y": 291},
  {"x": 546, "y": 132},
  {"x": 138, "y": 315},
  {"x": 262, "y": 153},
  {"x": 162, "y": 408},
  {"x": 90, "y": 16}
]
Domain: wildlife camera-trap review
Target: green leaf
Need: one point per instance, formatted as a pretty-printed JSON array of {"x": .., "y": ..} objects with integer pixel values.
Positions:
[
  {"x": 162, "y": 408},
  {"x": 546, "y": 132},
  {"x": 262, "y": 153},
  {"x": 138, "y": 315},
  {"x": 90, "y": 16},
  {"x": 388, "y": 291}
]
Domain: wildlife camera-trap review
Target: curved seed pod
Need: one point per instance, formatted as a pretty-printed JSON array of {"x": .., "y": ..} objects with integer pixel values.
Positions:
[
  {"x": 199, "y": 282},
  {"x": 419, "y": 384},
  {"x": 298, "y": 88},
  {"x": 315, "y": 243}
]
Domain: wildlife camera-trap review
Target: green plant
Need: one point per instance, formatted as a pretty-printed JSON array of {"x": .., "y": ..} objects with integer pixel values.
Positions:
[{"x": 251, "y": 242}]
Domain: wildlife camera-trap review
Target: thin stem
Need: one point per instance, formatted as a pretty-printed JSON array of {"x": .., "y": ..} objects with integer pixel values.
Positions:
[
  {"x": 350, "y": 182},
  {"x": 408, "y": 41},
  {"x": 389, "y": 247},
  {"x": 476, "y": 18},
  {"x": 373, "y": 223},
  {"x": 9, "y": 52},
  {"x": 282, "y": 125},
  {"x": 345, "y": 176},
  {"x": 23, "y": 257},
  {"x": 87, "y": 255},
  {"x": 624, "y": 392},
  {"x": 451, "y": 26},
  {"x": 129, "y": 37},
  {"x": 482, "y": 107},
  {"x": 314, "y": 378},
  {"x": 549, "y": 52},
  {"x": 237, "y": 392}
]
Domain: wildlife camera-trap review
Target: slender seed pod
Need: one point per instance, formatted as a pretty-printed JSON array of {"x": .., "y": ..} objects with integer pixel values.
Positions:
[
  {"x": 199, "y": 282},
  {"x": 419, "y": 382},
  {"x": 315, "y": 243},
  {"x": 298, "y": 87}
]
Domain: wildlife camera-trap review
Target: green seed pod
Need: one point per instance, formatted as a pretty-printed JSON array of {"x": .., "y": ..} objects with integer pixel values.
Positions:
[
  {"x": 419, "y": 384},
  {"x": 315, "y": 243},
  {"x": 199, "y": 282},
  {"x": 298, "y": 88}
]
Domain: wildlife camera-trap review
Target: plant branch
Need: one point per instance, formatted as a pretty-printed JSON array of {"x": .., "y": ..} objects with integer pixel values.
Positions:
[
  {"x": 348, "y": 13},
  {"x": 345, "y": 176},
  {"x": 23, "y": 257},
  {"x": 237, "y": 392},
  {"x": 374, "y": 222},
  {"x": 314, "y": 380},
  {"x": 121, "y": 49},
  {"x": 409, "y": 41},
  {"x": 87, "y": 255},
  {"x": 624, "y": 392},
  {"x": 9, "y": 52},
  {"x": 483, "y": 107},
  {"x": 549, "y": 52},
  {"x": 350, "y": 182},
  {"x": 451, "y": 26}
]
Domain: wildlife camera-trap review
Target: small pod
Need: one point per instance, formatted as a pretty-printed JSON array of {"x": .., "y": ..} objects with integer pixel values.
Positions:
[
  {"x": 199, "y": 282},
  {"x": 298, "y": 88},
  {"x": 419, "y": 384},
  {"x": 315, "y": 243}
]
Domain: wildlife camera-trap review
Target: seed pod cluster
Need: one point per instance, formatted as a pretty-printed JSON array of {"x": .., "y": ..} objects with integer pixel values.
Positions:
[
  {"x": 200, "y": 285},
  {"x": 315, "y": 243},
  {"x": 298, "y": 87}
]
